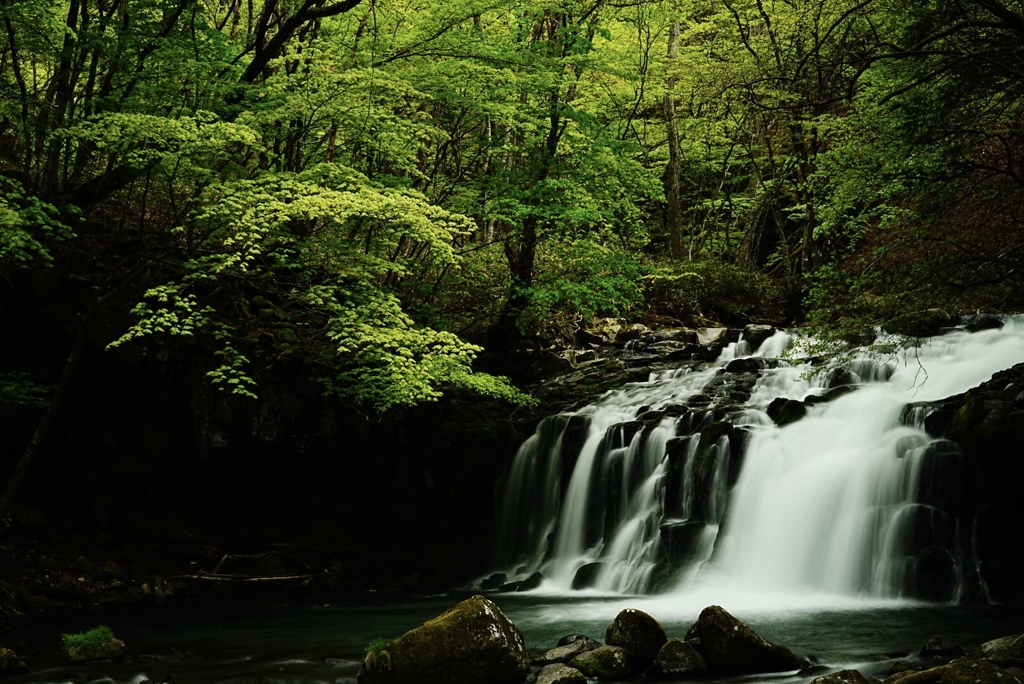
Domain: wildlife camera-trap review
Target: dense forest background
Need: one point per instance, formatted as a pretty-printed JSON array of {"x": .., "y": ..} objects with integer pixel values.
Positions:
[{"x": 314, "y": 218}]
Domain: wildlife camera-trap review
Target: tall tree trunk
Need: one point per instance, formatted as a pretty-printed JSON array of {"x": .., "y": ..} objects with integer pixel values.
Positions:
[{"x": 673, "y": 187}]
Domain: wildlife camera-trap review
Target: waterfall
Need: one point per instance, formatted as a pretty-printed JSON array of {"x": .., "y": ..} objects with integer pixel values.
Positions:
[{"x": 683, "y": 483}]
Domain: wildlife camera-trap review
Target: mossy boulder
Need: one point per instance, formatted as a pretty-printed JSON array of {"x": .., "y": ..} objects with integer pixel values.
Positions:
[
  {"x": 560, "y": 673},
  {"x": 606, "y": 662},
  {"x": 98, "y": 643},
  {"x": 678, "y": 658},
  {"x": 731, "y": 647},
  {"x": 844, "y": 677},
  {"x": 1009, "y": 647},
  {"x": 639, "y": 634},
  {"x": 10, "y": 663},
  {"x": 471, "y": 643}
]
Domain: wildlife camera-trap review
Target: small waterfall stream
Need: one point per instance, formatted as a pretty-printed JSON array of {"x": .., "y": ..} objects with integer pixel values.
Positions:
[{"x": 683, "y": 483}]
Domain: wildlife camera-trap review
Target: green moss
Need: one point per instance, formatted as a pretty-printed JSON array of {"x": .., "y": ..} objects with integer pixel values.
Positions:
[
  {"x": 98, "y": 643},
  {"x": 965, "y": 418}
]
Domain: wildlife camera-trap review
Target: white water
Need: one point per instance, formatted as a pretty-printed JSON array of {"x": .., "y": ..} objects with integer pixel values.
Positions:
[{"x": 822, "y": 513}]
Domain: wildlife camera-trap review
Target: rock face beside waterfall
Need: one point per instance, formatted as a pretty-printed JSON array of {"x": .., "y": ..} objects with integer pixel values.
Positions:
[
  {"x": 987, "y": 423},
  {"x": 731, "y": 647},
  {"x": 472, "y": 643}
]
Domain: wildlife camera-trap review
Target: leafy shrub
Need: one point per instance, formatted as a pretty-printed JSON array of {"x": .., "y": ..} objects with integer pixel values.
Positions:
[
  {"x": 578, "y": 280},
  {"x": 711, "y": 291}
]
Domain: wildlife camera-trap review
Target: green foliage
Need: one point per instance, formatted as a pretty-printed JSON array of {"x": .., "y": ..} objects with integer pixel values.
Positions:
[
  {"x": 26, "y": 225},
  {"x": 329, "y": 250},
  {"x": 19, "y": 389},
  {"x": 708, "y": 291},
  {"x": 376, "y": 656},
  {"x": 579, "y": 280}
]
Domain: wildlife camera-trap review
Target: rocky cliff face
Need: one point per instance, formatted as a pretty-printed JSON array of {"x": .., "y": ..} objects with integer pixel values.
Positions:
[{"x": 987, "y": 423}]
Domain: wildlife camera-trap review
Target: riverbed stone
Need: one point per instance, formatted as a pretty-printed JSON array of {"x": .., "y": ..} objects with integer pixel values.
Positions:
[
  {"x": 471, "y": 643},
  {"x": 605, "y": 662},
  {"x": 939, "y": 646},
  {"x": 640, "y": 634},
  {"x": 573, "y": 638},
  {"x": 1008, "y": 647},
  {"x": 980, "y": 672},
  {"x": 844, "y": 677},
  {"x": 731, "y": 647},
  {"x": 564, "y": 654},
  {"x": 678, "y": 658},
  {"x": 559, "y": 673}
]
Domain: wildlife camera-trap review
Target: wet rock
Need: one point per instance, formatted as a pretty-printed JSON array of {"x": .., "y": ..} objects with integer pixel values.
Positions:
[
  {"x": 577, "y": 638},
  {"x": 785, "y": 411},
  {"x": 605, "y": 662},
  {"x": 941, "y": 647},
  {"x": 980, "y": 672},
  {"x": 844, "y": 677},
  {"x": 639, "y": 634},
  {"x": 566, "y": 652},
  {"x": 495, "y": 581},
  {"x": 678, "y": 658},
  {"x": 828, "y": 395},
  {"x": 1008, "y": 647},
  {"x": 679, "y": 539},
  {"x": 587, "y": 575},
  {"x": 528, "y": 584},
  {"x": 748, "y": 364},
  {"x": 979, "y": 322},
  {"x": 560, "y": 673},
  {"x": 471, "y": 643},
  {"x": 756, "y": 334},
  {"x": 731, "y": 647}
]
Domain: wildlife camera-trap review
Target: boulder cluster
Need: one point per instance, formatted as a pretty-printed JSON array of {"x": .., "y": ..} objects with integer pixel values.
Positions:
[{"x": 475, "y": 643}]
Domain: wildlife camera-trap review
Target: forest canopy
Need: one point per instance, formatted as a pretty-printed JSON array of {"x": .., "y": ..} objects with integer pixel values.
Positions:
[{"x": 374, "y": 191}]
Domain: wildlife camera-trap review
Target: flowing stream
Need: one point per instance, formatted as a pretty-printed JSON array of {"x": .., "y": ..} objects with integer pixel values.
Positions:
[{"x": 683, "y": 486}]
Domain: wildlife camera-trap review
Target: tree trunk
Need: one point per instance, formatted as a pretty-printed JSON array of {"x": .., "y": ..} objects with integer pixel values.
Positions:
[{"x": 673, "y": 189}]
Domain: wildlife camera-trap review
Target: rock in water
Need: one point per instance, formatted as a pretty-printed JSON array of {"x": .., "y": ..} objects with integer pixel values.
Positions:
[
  {"x": 679, "y": 658},
  {"x": 730, "y": 646},
  {"x": 471, "y": 643},
  {"x": 606, "y": 662},
  {"x": 641, "y": 635},
  {"x": 845, "y": 677},
  {"x": 560, "y": 674},
  {"x": 1008, "y": 647}
]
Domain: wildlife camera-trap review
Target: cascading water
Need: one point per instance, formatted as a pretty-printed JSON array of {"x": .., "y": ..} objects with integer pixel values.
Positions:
[{"x": 683, "y": 483}]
